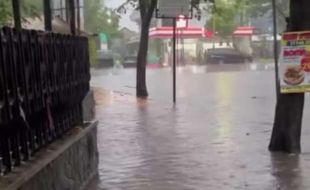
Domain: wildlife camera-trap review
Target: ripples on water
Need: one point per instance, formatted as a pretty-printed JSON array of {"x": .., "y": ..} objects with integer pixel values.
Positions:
[{"x": 215, "y": 138}]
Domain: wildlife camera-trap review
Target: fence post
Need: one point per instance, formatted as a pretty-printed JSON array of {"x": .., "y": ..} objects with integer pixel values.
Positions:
[
  {"x": 16, "y": 14},
  {"x": 72, "y": 16},
  {"x": 47, "y": 15}
]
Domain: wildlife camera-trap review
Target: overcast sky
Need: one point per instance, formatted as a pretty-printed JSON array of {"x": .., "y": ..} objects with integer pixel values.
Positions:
[{"x": 125, "y": 20}]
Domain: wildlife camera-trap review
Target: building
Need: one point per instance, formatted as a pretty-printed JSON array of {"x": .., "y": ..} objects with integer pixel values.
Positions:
[
  {"x": 60, "y": 9},
  {"x": 189, "y": 41}
]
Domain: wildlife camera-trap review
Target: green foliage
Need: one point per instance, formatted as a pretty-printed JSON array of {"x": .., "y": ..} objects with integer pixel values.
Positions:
[
  {"x": 5, "y": 12},
  {"x": 228, "y": 14},
  {"x": 92, "y": 51},
  {"x": 29, "y": 8},
  {"x": 224, "y": 15},
  {"x": 101, "y": 19}
]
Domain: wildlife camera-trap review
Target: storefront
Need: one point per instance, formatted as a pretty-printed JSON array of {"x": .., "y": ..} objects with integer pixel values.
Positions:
[{"x": 189, "y": 48}]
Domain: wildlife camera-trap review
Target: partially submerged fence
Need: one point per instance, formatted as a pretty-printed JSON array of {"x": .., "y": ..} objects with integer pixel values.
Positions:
[{"x": 43, "y": 79}]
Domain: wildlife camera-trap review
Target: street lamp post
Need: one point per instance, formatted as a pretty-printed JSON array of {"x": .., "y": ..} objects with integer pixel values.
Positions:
[
  {"x": 275, "y": 47},
  {"x": 214, "y": 28}
]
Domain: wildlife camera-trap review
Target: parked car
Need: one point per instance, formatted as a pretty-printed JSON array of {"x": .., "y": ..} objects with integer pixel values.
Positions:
[
  {"x": 105, "y": 58},
  {"x": 226, "y": 55},
  {"x": 130, "y": 61}
]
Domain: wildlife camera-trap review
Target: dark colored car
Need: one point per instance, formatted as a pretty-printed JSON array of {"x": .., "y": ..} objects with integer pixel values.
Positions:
[
  {"x": 226, "y": 55},
  {"x": 130, "y": 61},
  {"x": 105, "y": 58}
]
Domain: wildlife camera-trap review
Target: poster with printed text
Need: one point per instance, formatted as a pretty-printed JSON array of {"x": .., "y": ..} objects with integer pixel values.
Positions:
[{"x": 294, "y": 62}]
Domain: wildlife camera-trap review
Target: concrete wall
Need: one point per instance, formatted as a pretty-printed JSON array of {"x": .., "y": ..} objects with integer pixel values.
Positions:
[
  {"x": 67, "y": 164},
  {"x": 88, "y": 106}
]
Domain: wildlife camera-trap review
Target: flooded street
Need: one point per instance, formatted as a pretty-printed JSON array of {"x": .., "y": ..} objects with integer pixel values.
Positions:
[
  {"x": 68, "y": 86},
  {"x": 216, "y": 137}
]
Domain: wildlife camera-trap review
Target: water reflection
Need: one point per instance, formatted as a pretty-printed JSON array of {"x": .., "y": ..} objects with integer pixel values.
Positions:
[
  {"x": 224, "y": 97},
  {"x": 215, "y": 138},
  {"x": 287, "y": 171},
  {"x": 194, "y": 69}
]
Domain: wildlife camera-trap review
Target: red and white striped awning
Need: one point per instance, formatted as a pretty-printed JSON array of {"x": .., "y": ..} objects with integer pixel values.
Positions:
[
  {"x": 188, "y": 32},
  {"x": 244, "y": 31}
]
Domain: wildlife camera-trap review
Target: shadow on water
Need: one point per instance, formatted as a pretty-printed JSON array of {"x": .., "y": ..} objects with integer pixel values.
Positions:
[{"x": 287, "y": 171}]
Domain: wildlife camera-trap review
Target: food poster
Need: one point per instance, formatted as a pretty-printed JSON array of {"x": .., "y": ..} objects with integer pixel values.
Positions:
[{"x": 295, "y": 62}]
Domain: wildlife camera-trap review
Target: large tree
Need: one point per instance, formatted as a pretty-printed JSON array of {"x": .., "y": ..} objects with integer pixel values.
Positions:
[
  {"x": 99, "y": 19},
  {"x": 289, "y": 109},
  {"x": 224, "y": 17},
  {"x": 146, "y": 12},
  {"x": 146, "y": 8},
  {"x": 228, "y": 15},
  {"x": 221, "y": 20}
]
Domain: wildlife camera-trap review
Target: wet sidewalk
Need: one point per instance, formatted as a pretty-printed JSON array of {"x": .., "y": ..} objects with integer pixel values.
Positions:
[{"x": 216, "y": 138}]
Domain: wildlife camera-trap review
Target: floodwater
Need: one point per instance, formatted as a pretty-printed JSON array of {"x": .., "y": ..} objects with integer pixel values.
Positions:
[{"x": 214, "y": 138}]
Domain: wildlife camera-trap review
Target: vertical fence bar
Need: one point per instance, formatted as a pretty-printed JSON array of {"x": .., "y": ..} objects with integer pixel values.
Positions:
[
  {"x": 4, "y": 140},
  {"x": 3, "y": 107},
  {"x": 72, "y": 16},
  {"x": 16, "y": 14},
  {"x": 78, "y": 16},
  {"x": 47, "y": 15}
]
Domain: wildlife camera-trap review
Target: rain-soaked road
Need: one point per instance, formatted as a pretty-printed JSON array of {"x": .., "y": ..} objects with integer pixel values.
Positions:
[{"x": 215, "y": 138}]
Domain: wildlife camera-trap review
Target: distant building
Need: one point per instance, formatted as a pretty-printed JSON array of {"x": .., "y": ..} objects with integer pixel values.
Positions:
[
  {"x": 128, "y": 34},
  {"x": 60, "y": 9},
  {"x": 135, "y": 17},
  {"x": 58, "y": 25}
]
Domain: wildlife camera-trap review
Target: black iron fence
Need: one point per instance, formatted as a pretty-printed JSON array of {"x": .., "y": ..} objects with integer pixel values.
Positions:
[{"x": 43, "y": 79}]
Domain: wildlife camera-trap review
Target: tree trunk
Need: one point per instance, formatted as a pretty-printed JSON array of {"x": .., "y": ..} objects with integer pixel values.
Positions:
[
  {"x": 289, "y": 109},
  {"x": 142, "y": 61},
  {"x": 287, "y": 126},
  {"x": 146, "y": 13}
]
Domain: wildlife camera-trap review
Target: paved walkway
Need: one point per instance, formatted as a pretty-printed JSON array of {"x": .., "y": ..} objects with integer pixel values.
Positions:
[{"x": 215, "y": 138}]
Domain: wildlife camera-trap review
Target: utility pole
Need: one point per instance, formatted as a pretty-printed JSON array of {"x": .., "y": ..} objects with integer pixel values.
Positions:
[
  {"x": 174, "y": 59},
  {"x": 213, "y": 26}
]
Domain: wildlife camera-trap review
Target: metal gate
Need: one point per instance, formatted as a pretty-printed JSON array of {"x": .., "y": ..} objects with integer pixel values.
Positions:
[{"x": 43, "y": 79}]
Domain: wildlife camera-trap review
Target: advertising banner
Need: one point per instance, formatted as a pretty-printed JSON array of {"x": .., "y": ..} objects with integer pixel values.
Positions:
[{"x": 294, "y": 62}]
